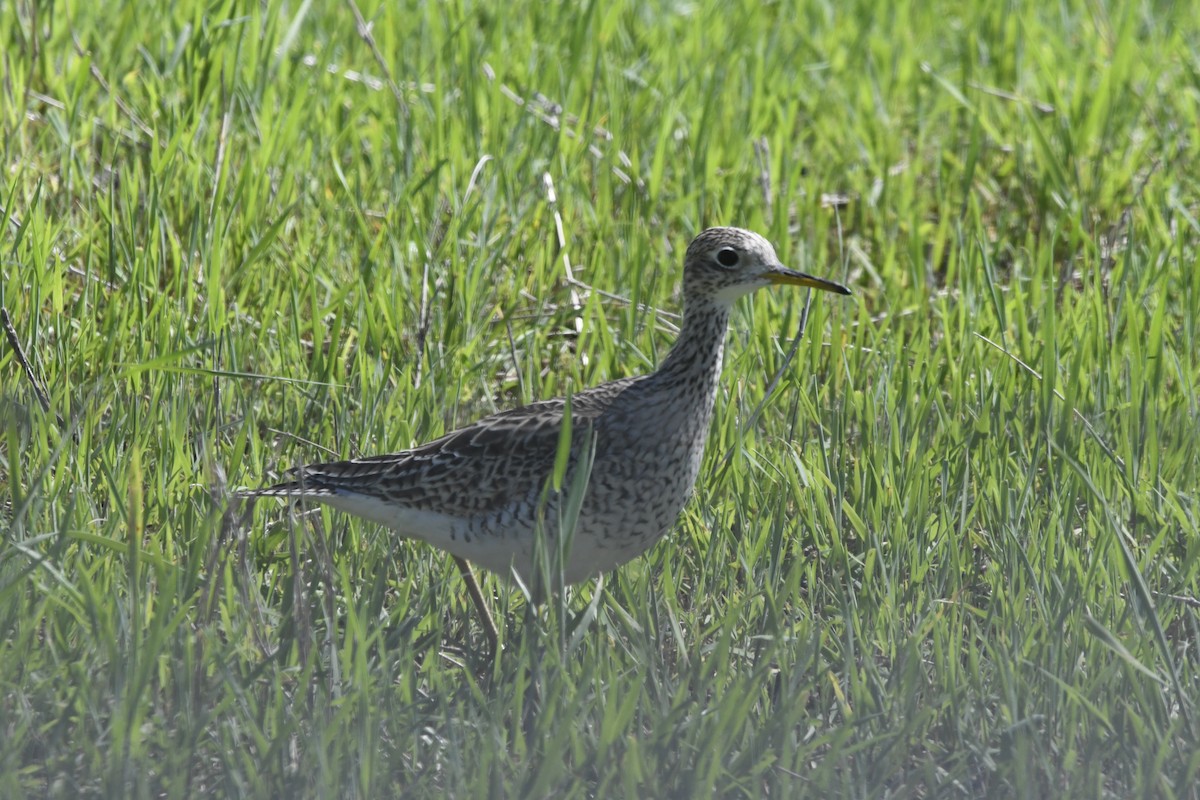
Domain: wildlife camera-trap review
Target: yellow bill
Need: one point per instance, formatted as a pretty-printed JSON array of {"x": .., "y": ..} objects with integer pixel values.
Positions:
[{"x": 791, "y": 277}]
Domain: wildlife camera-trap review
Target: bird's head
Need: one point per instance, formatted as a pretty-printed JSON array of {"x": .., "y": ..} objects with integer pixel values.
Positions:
[{"x": 722, "y": 264}]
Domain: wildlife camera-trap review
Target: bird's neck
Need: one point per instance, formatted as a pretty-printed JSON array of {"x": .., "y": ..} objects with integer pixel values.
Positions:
[{"x": 695, "y": 360}]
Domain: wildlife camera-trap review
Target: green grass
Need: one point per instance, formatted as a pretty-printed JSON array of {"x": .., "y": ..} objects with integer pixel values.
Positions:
[{"x": 957, "y": 555}]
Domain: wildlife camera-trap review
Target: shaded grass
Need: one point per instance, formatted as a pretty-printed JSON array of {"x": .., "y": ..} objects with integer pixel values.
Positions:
[{"x": 956, "y": 555}]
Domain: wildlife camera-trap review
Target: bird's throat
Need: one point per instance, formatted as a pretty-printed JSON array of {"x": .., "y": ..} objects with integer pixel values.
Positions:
[{"x": 694, "y": 364}]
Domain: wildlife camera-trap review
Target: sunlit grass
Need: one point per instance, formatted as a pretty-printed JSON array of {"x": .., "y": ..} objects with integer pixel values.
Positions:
[{"x": 956, "y": 554}]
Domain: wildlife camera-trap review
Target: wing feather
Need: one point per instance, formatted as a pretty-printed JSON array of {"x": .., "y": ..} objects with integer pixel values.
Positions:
[{"x": 475, "y": 469}]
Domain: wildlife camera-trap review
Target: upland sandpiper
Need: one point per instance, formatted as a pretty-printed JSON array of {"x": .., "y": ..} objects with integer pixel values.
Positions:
[{"x": 484, "y": 491}]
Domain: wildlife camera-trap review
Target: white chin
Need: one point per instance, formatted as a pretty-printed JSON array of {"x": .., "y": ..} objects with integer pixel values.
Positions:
[{"x": 729, "y": 295}]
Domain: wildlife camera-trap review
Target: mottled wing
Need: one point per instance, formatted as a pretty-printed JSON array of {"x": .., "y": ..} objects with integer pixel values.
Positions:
[{"x": 472, "y": 470}]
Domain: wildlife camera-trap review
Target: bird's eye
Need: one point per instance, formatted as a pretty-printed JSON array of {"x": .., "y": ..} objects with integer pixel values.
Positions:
[{"x": 727, "y": 257}]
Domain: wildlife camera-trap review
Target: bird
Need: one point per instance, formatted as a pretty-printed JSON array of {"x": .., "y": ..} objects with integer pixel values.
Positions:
[{"x": 486, "y": 491}]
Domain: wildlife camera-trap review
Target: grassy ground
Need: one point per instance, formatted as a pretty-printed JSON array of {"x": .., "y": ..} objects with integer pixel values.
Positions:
[{"x": 956, "y": 555}]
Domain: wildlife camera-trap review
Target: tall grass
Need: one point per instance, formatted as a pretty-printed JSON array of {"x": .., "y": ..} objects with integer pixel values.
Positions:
[{"x": 955, "y": 555}]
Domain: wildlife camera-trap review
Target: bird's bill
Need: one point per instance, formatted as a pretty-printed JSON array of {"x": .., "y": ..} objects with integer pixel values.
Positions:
[{"x": 791, "y": 277}]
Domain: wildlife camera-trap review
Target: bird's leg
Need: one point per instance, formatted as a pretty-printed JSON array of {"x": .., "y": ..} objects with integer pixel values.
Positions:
[{"x": 489, "y": 625}]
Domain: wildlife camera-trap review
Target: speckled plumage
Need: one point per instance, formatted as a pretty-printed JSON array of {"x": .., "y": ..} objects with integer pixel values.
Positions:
[{"x": 480, "y": 491}]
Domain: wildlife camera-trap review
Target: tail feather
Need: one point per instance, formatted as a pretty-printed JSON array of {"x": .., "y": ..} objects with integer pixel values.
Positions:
[{"x": 304, "y": 485}]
